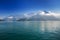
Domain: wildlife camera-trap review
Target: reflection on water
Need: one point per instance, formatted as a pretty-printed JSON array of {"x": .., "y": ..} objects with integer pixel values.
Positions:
[
  {"x": 44, "y": 26},
  {"x": 30, "y": 30}
]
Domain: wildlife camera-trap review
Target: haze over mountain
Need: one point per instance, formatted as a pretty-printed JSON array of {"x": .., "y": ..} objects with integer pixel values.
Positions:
[
  {"x": 35, "y": 16},
  {"x": 42, "y": 16}
]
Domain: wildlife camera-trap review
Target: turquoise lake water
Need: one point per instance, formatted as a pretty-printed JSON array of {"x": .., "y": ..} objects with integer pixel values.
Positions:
[{"x": 30, "y": 30}]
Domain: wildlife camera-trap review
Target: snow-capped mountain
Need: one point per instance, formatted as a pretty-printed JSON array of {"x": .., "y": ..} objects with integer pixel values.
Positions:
[
  {"x": 10, "y": 18},
  {"x": 41, "y": 16},
  {"x": 35, "y": 16}
]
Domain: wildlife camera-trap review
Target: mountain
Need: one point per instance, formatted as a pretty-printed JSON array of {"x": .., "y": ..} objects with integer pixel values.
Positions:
[
  {"x": 2, "y": 18},
  {"x": 10, "y": 18},
  {"x": 41, "y": 16}
]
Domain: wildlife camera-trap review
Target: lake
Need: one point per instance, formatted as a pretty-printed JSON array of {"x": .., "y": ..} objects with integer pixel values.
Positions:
[{"x": 30, "y": 30}]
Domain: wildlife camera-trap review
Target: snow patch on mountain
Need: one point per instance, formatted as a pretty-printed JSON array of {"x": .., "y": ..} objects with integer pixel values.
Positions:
[{"x": 45, "y": 15}]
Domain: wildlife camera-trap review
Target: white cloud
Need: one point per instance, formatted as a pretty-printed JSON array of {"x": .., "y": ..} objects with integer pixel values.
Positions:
[
  {"x": 46, "y": 15},
  {"x": 10, "y": 17}
]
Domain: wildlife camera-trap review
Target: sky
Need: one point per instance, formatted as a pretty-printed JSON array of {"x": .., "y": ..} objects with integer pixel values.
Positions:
[{"x": 18, "y": 7}]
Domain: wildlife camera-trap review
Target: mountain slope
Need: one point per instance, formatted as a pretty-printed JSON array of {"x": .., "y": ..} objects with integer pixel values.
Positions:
[{"x": 42, "y": 16}]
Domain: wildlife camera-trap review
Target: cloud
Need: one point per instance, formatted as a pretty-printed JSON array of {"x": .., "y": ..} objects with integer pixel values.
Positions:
[
  {"x": 46, "y": 15},
  {"x": 10, "y": 17}
]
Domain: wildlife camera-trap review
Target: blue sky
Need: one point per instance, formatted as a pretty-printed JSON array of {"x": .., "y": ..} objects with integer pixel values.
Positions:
[{"x": 18, "y": 7}]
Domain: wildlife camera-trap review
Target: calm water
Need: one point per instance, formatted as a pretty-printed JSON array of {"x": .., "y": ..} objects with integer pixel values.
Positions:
[{"x": 28, "y": 30}]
